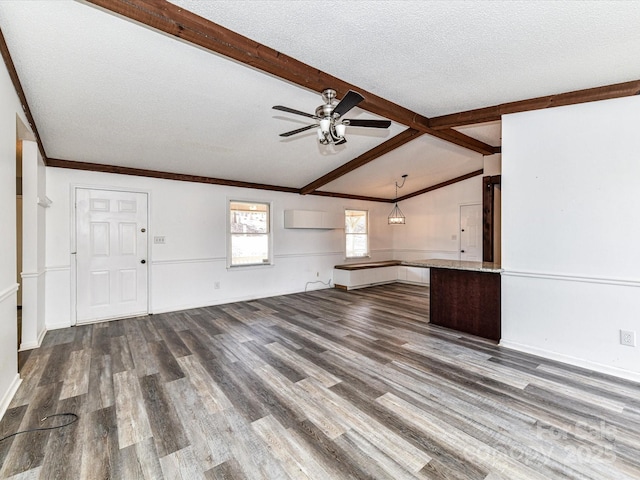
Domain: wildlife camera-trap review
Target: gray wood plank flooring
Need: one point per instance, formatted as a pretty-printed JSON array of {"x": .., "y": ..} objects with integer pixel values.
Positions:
[{"x": 321, "y": 385}]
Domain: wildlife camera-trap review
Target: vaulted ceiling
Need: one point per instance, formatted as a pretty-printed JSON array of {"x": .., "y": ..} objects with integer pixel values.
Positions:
[{"x": 185, "y": 89}]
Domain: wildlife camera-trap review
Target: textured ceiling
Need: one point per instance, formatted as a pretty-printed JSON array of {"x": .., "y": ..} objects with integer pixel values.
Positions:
[
  {"x": 440, "y": 57},
  {"x": 103, "y": 89},
  {"x": 427, "y": 160}
]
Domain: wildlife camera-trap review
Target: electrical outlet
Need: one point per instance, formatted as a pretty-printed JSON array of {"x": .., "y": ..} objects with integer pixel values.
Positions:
[
  {"x": 159, "y": 240},
  {"x": 216, "y": 285},
  {"x": 628, "y": 338}
]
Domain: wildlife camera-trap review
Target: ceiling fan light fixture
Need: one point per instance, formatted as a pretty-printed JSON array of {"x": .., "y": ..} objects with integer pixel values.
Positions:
[
  {"x": 329, "y": 117},
  {"x": 325, "y": 125},
  {"x": 323, "y": 137}
]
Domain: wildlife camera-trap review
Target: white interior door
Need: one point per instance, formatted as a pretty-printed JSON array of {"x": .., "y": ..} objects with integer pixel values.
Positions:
[
  {"x": 111, "y": 254},
  {"x": 471, "y": 232}
]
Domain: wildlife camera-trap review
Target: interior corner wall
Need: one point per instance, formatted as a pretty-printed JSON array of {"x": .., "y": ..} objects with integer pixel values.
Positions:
[
  {"x": 9, "y": 107},
  {"x": 571, "y": 190},
  {"x": 432, "y": 228},
  {"x": 41, "y": 216},
  {"x": 185, "y": 271},
  {"x": 33, "y": 246}
]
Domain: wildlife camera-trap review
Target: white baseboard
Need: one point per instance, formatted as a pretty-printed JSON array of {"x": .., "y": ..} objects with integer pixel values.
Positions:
[
  {"x": 31, "y": 345},
  {"x": 578, "y": 362},
  {"x": 41, "y": 336},
  {"x": 365, "y": 285},
  {"x": 24, "y": 346},
  {"x": 8, "y": 396},
  {"x": 57, "y": 326},
  {"x": 411, "y": 282},
  {"x": 223, "y": 301}
]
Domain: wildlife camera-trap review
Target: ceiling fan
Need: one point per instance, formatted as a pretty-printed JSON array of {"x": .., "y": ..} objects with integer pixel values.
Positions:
[{"x": 331, "y": 125}]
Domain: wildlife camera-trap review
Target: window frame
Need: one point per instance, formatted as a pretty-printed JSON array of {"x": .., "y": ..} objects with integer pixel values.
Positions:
[
  {"x": 346, "y": 235},
  {"x": 268, "y": 234}
]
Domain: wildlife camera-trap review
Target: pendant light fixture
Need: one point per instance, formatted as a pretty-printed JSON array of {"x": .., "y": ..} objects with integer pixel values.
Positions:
[{"x": 396, "y": 217}]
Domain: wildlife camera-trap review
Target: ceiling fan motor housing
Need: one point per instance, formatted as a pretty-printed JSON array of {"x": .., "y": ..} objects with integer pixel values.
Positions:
[{"x": 324, "y": 111}]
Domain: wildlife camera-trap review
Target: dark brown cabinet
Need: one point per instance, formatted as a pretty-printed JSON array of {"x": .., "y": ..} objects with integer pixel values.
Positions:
[{"x": 466, "y": 300}]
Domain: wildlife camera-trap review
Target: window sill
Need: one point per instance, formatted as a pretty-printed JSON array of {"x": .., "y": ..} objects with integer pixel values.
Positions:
[{"x": 249, "y": 266}]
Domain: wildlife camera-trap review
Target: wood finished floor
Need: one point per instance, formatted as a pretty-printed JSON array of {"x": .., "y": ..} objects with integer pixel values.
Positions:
[{"x": 323, "y": 385}]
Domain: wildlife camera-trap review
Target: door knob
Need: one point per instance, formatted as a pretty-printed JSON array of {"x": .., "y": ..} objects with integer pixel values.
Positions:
[{"x": 143, "y": 261}]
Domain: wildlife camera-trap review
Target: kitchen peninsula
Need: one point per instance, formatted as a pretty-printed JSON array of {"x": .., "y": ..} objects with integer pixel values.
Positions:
[{"x": 464, "y": 296}]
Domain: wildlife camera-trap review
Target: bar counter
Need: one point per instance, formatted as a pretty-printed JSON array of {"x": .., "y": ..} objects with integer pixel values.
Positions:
[{"x": 464, "y": 296}]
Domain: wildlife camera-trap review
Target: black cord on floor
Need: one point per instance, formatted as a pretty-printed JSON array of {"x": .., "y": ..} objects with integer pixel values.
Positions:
[
  {"x": 75, "y": 419},
  {"x": 328, "y": 284}
]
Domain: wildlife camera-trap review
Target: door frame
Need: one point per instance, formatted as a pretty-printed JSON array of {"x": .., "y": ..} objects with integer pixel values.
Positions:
[
  {"x": 468, "y": 204},
  {"x": 489, "y": 184},
  {"x": 73, "y": 188}
]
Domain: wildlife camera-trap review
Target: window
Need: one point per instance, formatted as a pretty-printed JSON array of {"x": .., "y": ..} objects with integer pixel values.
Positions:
[
  {"x": 249, "y": 233},
  {"x": 356, "y": 228}
]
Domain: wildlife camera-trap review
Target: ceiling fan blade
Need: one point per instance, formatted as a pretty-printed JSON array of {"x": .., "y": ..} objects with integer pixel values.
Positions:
[
  {"x": 291, "y": 110},
  {"x": 350, "y": 100},
  {"x": 368, "y": 123},
  {"x": 299, "y": 130}
]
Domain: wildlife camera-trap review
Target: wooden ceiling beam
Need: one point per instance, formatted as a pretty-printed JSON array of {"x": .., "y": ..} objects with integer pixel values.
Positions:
[
  {"x": 322, "y": 193},
  {"x": 11, "y": 68},
  {"x": 383, "y": 148},
  {"x": 440, "y": 185},
  {"x": 490, "y": 114},
  {"x": 140, "y": 172},
  {"x": 178, "y": 22},
  {"x": 453, "y": 136}
]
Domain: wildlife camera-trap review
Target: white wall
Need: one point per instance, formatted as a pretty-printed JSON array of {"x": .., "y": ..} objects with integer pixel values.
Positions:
[
  {"x": 571, "y": 191},
  {"x": 9, "y": 108},
  {"x": 433, "y": 221},
  {"x": 192, "y": 218}
]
